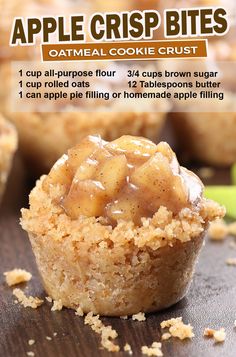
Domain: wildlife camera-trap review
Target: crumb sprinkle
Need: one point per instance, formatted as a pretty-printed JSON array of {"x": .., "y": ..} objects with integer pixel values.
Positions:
[
  {"x": 17, "y": 276},
  {"x": 218, "y": 230},
  {"x": 107, "y": 333},
  {"x": 139, "y": 317},
  {"x": 48, "y": 298},
  {"x": 30, "y": 354},
  {"x": 79, "y": 311},
  {"x": 177, "y": 328},
  {"x": 154, "y": 350},
  {"x": 48, "y": 338},
  {"x": 231, "y": 261},
  {"x": 31, "y": 342},
  {"x": 218, "y": 335},
  {"x": 232, "y": 244},
  {"x": 27, "y": 301},
  {"x": 127, "y": 348},
  {"x": 166, "y": 336},
  {"x": 57, "y": 305}
]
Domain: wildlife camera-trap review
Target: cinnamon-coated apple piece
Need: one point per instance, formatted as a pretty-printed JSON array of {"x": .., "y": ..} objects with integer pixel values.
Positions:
[
  {"x": 86, "y": 170},
  {"x": 133, "y": 147},
  {"x": 59, "y": 174},
  {"x": 158, "y": 184},
  {"x": 85, "y": 198},
  {"x": 125, "y": 208},
  {"x": 100, "y": 155},
  {"x": 166, "y": 151},
  {"x": 82, "y": 151},
  {"x": 113, "y": 174}
]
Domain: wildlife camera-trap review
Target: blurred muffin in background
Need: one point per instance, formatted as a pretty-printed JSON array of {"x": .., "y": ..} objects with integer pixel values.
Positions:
[
  {"x": 172, "y": 4},
  {"x": 206, "y": 130},
  {"x": 9, "y": 10},
  {"x": 207, "y": 136},
  {"x": 103, "y": 6},
  {"x": 223, "y": 53},
  {"x": 45, "y": 136},
  {"x": 8, "y": 145},
  {"x": 114, "y": 5}
]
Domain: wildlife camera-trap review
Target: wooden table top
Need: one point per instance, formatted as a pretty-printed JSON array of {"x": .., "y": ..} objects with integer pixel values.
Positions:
[{"x": 211, "y": 301}]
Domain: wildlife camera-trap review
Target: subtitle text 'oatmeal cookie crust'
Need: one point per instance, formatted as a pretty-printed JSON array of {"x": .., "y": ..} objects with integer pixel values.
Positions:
[{"x": 116, "y": 227}]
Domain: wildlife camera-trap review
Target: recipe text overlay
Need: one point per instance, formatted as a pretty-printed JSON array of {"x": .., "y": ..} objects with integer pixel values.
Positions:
[{"x": 119, "y": 87}]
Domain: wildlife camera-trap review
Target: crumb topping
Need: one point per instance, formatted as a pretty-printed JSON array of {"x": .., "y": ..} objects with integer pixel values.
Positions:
[
  {"x": 164, "y": 228},
  {"x": 177, "y": 328},
  {"x": 27, "y": 301},
  {"x": 17, "y": 276},
  {"x": 154, "y": 350},
  {"x": 31, "y": 342}
]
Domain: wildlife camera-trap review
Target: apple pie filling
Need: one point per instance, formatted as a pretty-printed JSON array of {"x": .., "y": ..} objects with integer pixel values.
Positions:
[{"x": 126, "y": 179}]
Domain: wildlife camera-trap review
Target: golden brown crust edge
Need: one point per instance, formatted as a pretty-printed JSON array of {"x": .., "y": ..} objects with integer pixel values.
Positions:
[{"x": 114, "y": 284}]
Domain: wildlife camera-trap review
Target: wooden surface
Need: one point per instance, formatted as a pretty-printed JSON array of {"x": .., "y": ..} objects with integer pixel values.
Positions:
[{"x": 211, "y": 301}]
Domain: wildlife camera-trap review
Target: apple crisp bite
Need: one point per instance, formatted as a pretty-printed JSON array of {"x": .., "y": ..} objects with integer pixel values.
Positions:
[
  {"x": 126, "y": 179},
  {"x": 116, "y": 228}
]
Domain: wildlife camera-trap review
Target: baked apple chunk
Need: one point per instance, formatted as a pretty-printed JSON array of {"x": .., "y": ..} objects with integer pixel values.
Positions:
[{"x": 126, "y": 179}]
